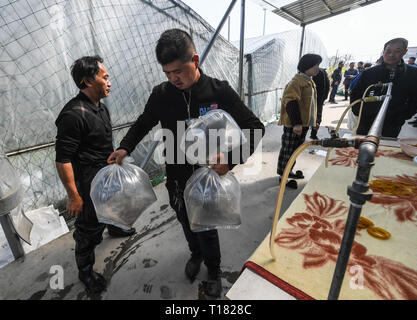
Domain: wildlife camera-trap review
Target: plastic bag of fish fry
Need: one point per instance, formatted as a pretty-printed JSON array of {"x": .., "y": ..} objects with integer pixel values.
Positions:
[
  {"x": 213, "y": 133},
  {"x": 120, "y": 194},
  {"x": 212, "y": 201}
]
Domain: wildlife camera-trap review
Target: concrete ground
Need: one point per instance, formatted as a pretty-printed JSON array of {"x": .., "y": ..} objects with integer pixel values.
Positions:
[{"x": 150, "y": 264}]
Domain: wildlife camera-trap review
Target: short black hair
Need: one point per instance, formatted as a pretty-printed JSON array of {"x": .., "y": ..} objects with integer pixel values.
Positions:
[
  {"x": 367, "y": 65},
  {"x": 85, "y": 67},
  {"x": 404, "y": 42},
  {"x": 174, "y": 44},
  {"x": 414, "y": 58}
]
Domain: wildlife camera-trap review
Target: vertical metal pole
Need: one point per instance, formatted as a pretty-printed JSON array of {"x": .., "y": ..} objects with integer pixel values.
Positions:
[
  {"x": 215, "y": 34},
  {"x": 242, "y": 40},
  {"x": 250, "y": 83},
  {"x": 228, "y": 29},
  {"x": 11, "y": 236},
  {"x": 303, "y": 26},
  {"x": 264, "y": 21}
]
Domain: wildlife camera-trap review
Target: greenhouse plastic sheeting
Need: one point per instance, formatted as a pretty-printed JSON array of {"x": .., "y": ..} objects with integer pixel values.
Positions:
[
  {"x": 271, "y": 62},
  {"x": 39, "y": 40}
]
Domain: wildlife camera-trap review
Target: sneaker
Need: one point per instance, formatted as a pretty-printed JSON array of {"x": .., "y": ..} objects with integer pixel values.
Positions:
[
  {"x": 192, "y": 268},
  {"x": 93, "y": 281},
  {"x": 119, "y": 232},
  {"x": 214, "y": 283}
]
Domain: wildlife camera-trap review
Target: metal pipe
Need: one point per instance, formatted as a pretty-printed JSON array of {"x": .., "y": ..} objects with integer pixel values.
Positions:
[
  {"x": 228, "y": 29},
  {"x": 241, "y": 49},
  {"x": 303, "y": 26},
  {"x": 11, "y": 236},
  {"x": 263, "y": 33},
  {"x": 149, "y": 154},
  {"x": 376, "y": 129},
  {"x": 215, "y": 34},
  {"x": 250, "y": 82},
  {"x": 358, "y": 194}
]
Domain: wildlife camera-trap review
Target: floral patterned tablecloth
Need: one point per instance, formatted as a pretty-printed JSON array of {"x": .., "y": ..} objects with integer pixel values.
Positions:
[{"x": 310, "y": 232}]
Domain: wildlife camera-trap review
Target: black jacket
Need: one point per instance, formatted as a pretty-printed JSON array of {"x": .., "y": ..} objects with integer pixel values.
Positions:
[
  {"x": 322, "y": 85},
  {"x": 84, "y": 135},
  {"x": 402, "y": 106},
  {"x": 167, "y": 105},
  {"x": 337, "y": 75}
]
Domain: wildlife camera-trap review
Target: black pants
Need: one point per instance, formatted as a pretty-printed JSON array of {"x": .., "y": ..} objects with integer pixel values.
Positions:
[
  {"x": 88, "y": 231},
  {"x": 203, "y": 244},
  {"x": 347, "y": 90},
  {"x": 333, "y": 92}
]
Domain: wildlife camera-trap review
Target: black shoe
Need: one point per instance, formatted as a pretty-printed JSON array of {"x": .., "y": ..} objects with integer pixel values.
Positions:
[
  {"x": 297, "y": 175},
  {"x": 93, "y": 281},
  {"x": 292, "y": 184},
  {"x": 332, "y": 101},
  {"x": 119, "y": 232},
  {"x": 214, "y": 283},
  {"x": 192, "y": 268}
]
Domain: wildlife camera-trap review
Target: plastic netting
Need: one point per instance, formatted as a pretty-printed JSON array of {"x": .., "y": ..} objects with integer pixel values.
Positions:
[
  {"x": 39, "y": 40},
  {"x": 271, "y": 62}
]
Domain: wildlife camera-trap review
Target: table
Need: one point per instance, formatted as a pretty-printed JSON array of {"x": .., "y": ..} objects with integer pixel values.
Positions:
[{"x": 309, "y": 234}]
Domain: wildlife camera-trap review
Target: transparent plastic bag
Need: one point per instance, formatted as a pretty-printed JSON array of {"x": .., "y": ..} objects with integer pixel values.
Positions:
[
  {"x": 213, "y": 133},
  {"x": 120, "y": 194},
  {"x": 212, "y": 201}
]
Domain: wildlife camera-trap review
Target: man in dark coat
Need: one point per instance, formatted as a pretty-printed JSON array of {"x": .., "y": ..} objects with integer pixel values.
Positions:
[
  {"x": 323, "y": 87},
  {"x": 336, "y": 78},
  {"x": 403, "y": 104}
]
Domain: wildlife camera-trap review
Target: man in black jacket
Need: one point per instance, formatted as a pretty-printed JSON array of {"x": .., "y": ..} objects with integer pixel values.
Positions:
[
  {"x": 323, "y": 87},
  {"x": 187, "y": 94},
  {"x": 403, "y": 104},
  {"x": 336, "y": 77},
  {"x": 83, "y": 143}
]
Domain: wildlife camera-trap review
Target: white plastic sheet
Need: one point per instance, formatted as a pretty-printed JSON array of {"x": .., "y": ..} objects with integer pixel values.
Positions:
[{"x": 47, "y": 226}]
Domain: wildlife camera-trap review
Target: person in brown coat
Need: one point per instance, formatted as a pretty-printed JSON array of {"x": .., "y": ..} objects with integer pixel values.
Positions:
[{"x": 298, "y": 112}]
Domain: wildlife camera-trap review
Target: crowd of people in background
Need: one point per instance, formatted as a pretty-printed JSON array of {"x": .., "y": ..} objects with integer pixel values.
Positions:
[
  {"x": 308, "y": 91},
  {"x": 351, "y": 77}
]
